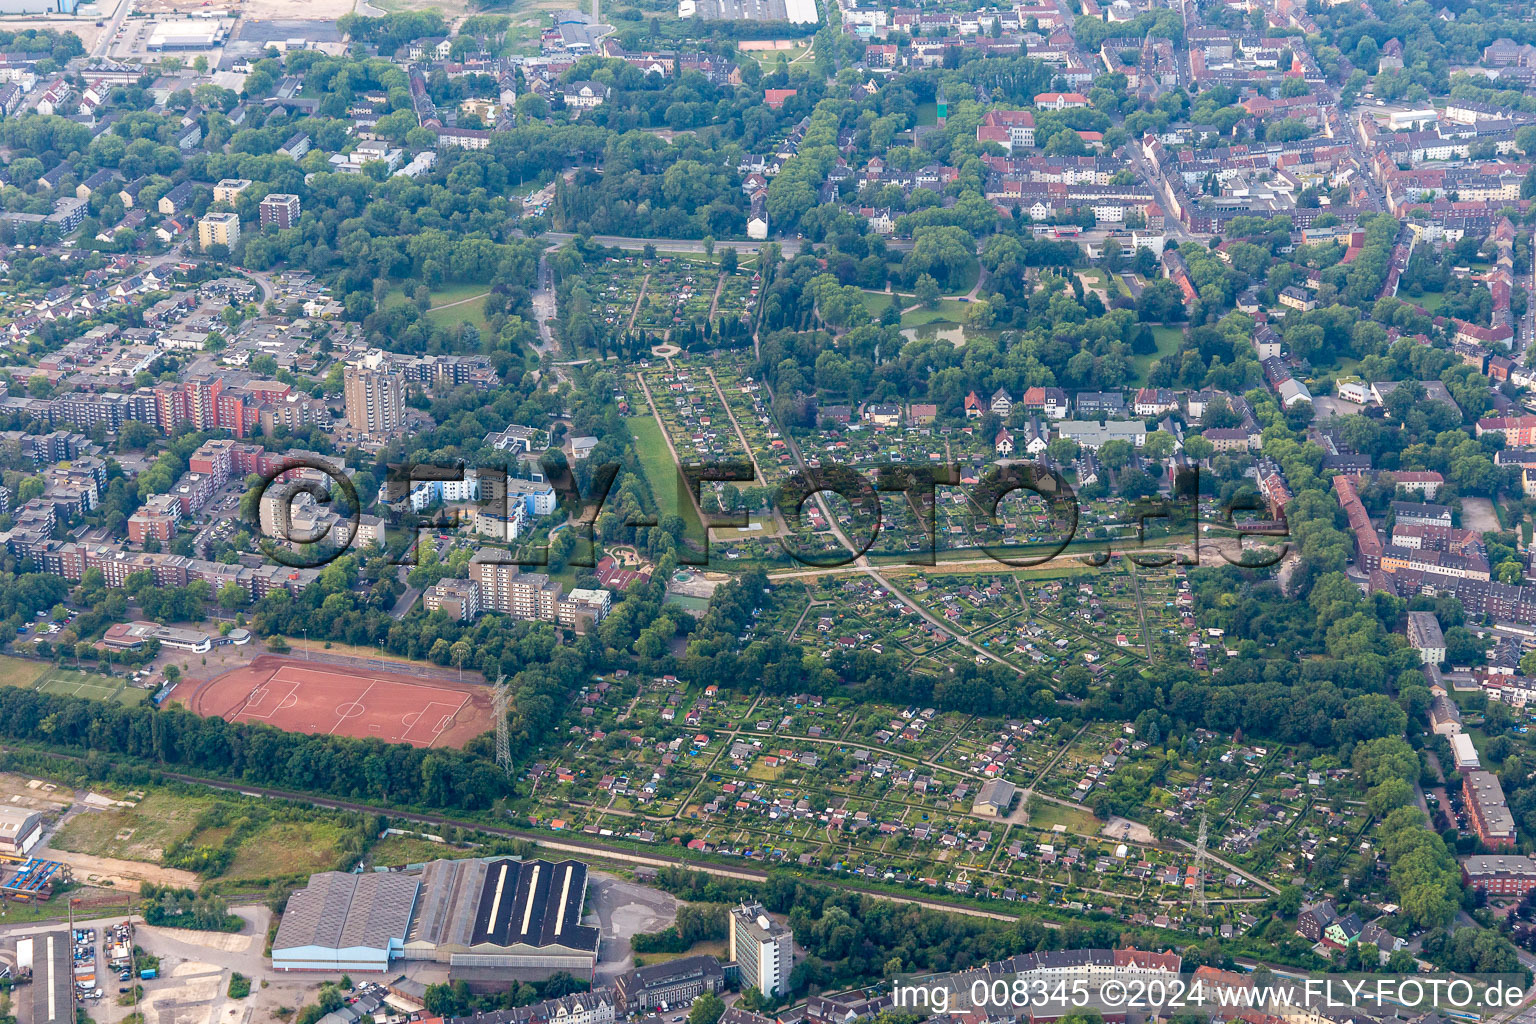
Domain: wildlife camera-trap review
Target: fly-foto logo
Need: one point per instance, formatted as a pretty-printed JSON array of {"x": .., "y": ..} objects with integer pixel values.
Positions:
[{"x": 308, "y": 513}]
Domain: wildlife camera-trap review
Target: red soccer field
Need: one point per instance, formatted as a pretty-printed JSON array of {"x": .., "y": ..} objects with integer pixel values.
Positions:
[{"x": 302, "y": 696}]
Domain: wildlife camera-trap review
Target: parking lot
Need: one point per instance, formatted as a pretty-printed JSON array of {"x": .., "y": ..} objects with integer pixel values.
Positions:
[{"x": 187, "y": 973}]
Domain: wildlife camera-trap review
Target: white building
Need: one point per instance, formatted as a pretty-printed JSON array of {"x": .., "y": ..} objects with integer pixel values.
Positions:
[
  {"x": 763, "y": 948},
  {"x": 1466, "y": 753},
  {"x": 20, "y": 830}
]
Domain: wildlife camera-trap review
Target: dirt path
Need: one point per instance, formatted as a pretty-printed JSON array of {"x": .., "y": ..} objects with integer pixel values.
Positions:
[
  {"x": 714, "y": 303},
  {"x": 121, "y": 874},
  {"x": 636, "y": 311},
  {"x": 1141, "y": 614}
]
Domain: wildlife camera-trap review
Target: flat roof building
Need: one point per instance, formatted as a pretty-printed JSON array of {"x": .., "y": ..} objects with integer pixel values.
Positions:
[
  {"x": 219, "y": 228},
  {"x": 519, "y": 918},
  {"x": 496, "y": 920},
  {"x": 53, "y": 993},
  {"x": 132, "y": 636},
  {"x": 1425, "y": 637},
  {"x": 763, "y": 948},
  {"x": 345, "y": 922},
  {"x": 1490, "y": 814},
  {"x": 1500, "y": 875},
  {"x": 1464, "y": 752}
]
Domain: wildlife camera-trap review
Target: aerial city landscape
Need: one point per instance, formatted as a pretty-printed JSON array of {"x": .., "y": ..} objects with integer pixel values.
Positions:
[{"x": 767, "y": 512}]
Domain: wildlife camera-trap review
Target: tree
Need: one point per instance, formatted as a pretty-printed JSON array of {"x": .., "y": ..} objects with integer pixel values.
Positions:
[
  {"x": 233, "y": 597},
  {"x": 1062, "y": 449},
  {"x": 1158, "y": 445},
  {"x": 1198, "y": 448},
  {"x": 1116, "y": 454},
  {"x": 707, "y": 1009},
  {"x": 927, "y": 291}
]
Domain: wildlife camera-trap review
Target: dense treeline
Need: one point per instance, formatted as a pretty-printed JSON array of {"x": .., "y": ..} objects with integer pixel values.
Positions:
[{"x": 260, "y": 755}]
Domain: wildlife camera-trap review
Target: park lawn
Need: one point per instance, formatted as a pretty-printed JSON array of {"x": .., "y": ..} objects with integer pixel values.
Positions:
[
  {"x": 141, "y": 833},
  {"x": 1431, "y": 301},
  {"x": 21, "y": 672},
  {"x": 455, "y": 292},
  {"x": 946, "y": 311},
  {"x": 396, "y": 296},
  {"x": 1168, "y": 339},
  {"x": 879, "y": 302},
  {"x": 284, "y": 849},
  {"x": 472, "y": 312},
  {"x": 656, "y": 460}
]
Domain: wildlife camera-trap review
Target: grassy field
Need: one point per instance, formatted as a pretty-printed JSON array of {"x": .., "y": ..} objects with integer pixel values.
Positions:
[
  {"x": 1049, "y": 815},
  {"x": 968, "y": 279},
  {"x": 1113, "y": 285},
  {"x": 1168, "y": 339},
  {"x": 879, "y": 302},
  {"x": 397, "y": 851},
  {"x": 140, "y": 833},
  {"x": 769, "y": 59},
  {"x": 472, "y": 311},
  {"x": 22, "y": 912},
  {"x": 82, "y": 684},
  {"x": 1431, "y": 301},
  {"x": 443, "y": 311},
  {"x": 40, "y": 675},
  {"x": 286, "y": 848},
  {"x": 947, "y": 311},
  {"x": 715, "y": 949},
  {"x": 656, "y": 460},
  {"x": 20, "y": 671}
]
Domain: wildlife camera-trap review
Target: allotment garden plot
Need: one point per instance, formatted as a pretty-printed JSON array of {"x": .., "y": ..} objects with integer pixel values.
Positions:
[
  {"x": 668, "y": 292},
  {"x": 882, "y": 791}
]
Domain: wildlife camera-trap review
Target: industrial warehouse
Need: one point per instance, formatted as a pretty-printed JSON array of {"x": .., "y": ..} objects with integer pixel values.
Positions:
[{"x": 487, "y": 921}]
